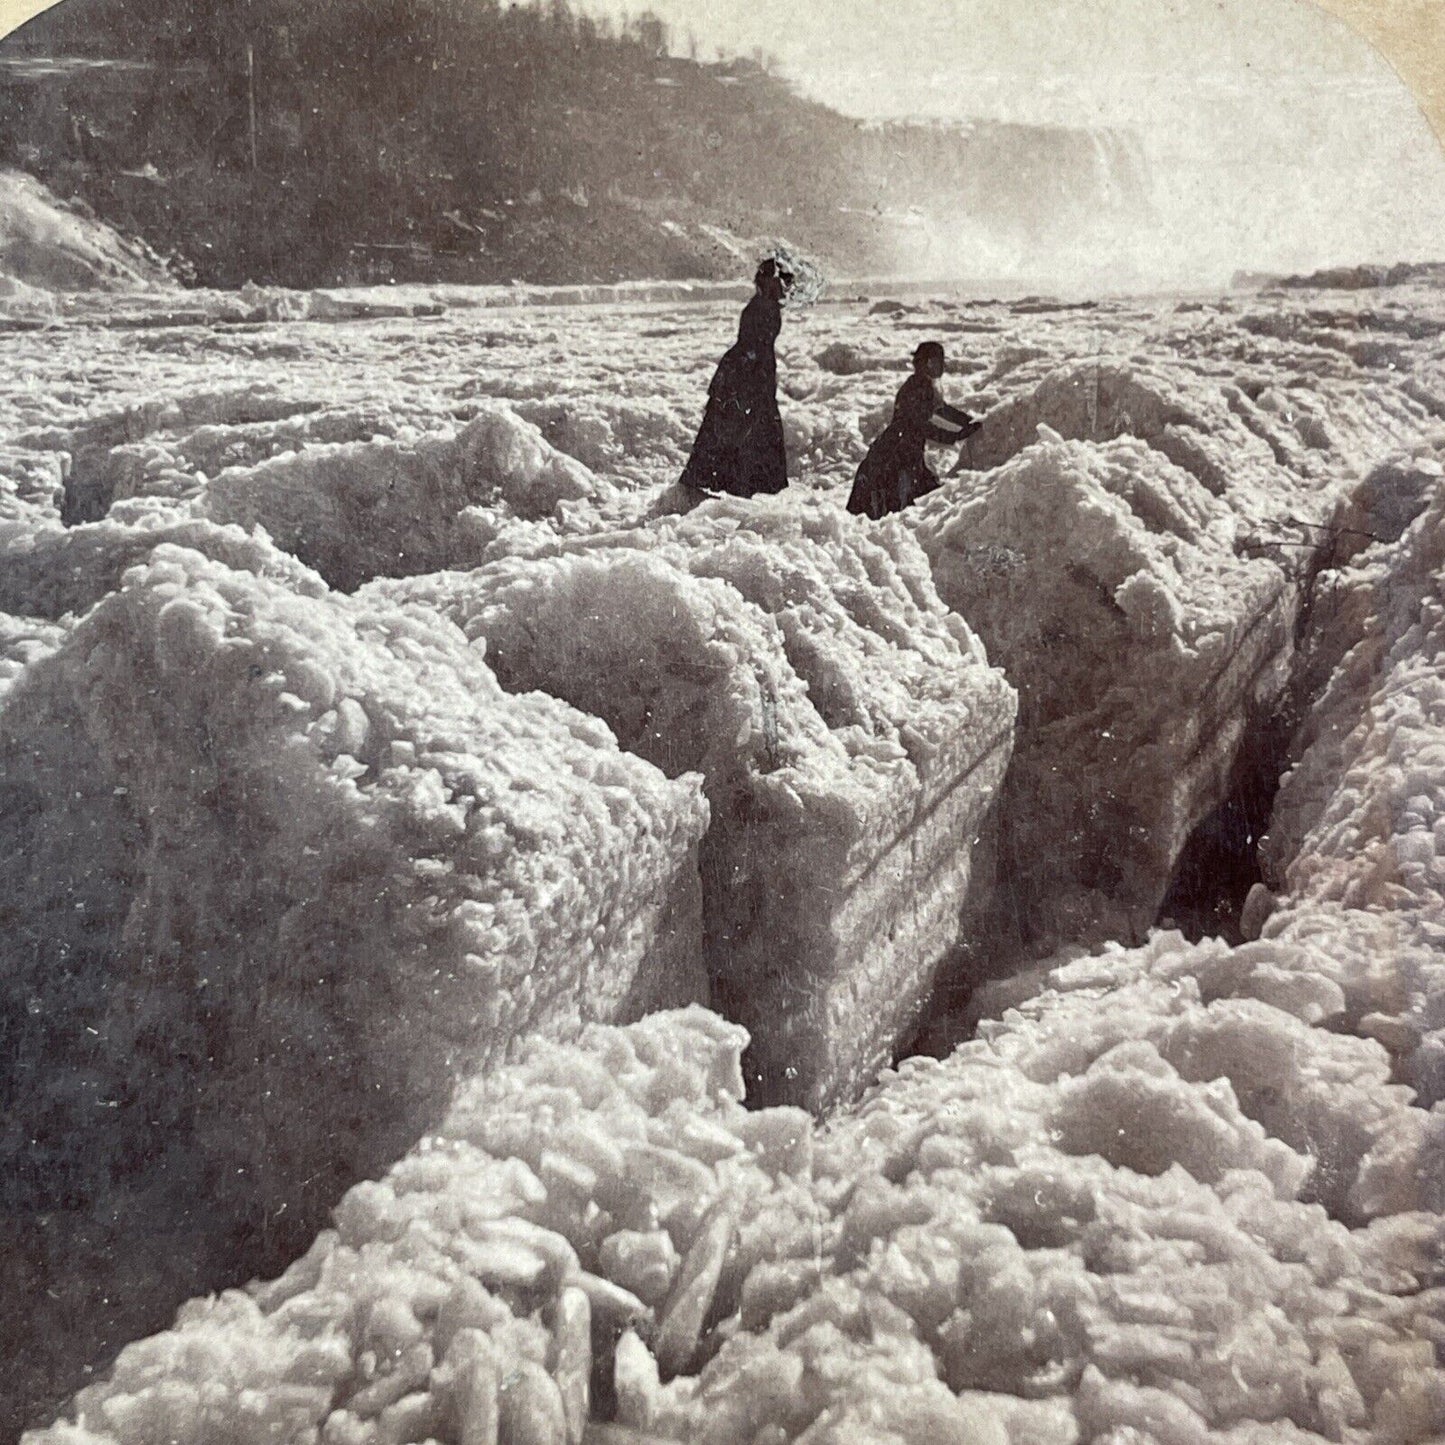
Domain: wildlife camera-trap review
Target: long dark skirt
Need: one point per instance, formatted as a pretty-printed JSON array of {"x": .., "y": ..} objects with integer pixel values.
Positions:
[
  {"x": 891, "y": 477},
  {"x": 739, "y": 446}
]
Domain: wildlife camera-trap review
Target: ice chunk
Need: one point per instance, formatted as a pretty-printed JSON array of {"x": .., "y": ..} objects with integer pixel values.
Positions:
[
  {"x": 393, "y": 509},
  {"x": 175, "y": 461},
  {"x": 1358, "y": 832},
  {"x": 1104, "y": 581},
  {"x": 132, "y": 452},
  {"x": 384, "y": 1321},
  {"x": 1131, "y": 1108},
  {"x": 24, "y": 640},
  {"x": 53, "y": 571},
  {"x": 1104, "y": 400},
  {"x": 262, "y": 847},
  {"x": 850, "y": 732},
  {"x": 946, "y": 1265},
  {"x": 615, "y": 435},
  {"x": 32, "y": 489}
]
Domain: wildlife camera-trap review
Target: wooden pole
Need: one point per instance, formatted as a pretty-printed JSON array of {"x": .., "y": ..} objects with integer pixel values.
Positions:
[{"x": 251, "y": 95}]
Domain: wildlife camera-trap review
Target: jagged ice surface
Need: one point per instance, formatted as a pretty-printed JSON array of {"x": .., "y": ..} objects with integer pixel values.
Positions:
[
  {"x": 850, "y": 730},
  {"x": 1184, "y": 1192},
  {"x": 264, "y": 846}
]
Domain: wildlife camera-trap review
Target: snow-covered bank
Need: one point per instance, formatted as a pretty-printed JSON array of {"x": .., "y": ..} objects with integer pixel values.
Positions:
[{"x": 48, "y": 246}]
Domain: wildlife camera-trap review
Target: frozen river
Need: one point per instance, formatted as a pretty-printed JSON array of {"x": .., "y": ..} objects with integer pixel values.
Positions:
[{"x": 403, "y": 784}]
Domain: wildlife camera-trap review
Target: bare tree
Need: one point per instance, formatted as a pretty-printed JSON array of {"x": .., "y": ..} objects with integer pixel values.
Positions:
[{"x": 652, "y": 33}]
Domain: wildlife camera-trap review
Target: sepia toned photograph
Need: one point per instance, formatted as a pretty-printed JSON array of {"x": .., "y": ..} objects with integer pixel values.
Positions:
[{"x": 722, "y": 723}]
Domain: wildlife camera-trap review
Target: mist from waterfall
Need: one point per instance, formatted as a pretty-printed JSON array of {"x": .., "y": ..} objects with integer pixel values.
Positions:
[{"x": 1232, "y": 135}]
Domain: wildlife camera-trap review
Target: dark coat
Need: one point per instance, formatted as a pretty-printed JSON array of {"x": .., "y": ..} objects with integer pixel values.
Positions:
[
  {"x": 739, "y": 446},
  {"x": 895, "y": 472}
]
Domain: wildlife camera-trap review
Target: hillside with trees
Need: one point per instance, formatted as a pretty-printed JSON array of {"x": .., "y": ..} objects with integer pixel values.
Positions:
[{"x": 284, "y": 141}]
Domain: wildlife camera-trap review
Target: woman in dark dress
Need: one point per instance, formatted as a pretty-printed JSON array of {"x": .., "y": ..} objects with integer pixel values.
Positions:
[
  {"x": 739, "y": 446},
  {"x": 895, "y": 473}
]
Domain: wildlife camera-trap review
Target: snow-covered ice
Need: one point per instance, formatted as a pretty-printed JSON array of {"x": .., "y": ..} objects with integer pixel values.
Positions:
[
  {"x": 32, "y": 489},
  {"x": 396, "y": 508},
  {"x": 1134, "y": 519},
  {"x": 1088, "y": 568},
  {"x": 24, "y": 640},
  {"x": 850, "y": 730},
  {"x": 264, "y": 846},
  {"x": 1357, "y": 842},
  {"x": 1076, "y": 1229},
  {"x": 55, "y": 571},
  {"x": 1168, "y": 1191}
]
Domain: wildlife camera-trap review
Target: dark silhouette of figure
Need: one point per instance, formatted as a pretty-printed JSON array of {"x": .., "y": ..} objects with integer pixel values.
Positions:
[
  {"x": 739, "y": 446},
  {"x": 895, "y": 473}
]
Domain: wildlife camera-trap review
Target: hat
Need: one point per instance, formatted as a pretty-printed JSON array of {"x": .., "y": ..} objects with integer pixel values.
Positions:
[
  {"x": 772, "y": 266},
  {"x": 802, "y": 281},
  {"x": 928, "y": 351}
]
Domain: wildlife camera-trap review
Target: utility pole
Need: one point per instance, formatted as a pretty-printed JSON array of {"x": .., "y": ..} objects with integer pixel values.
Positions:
[{"x": 251, "y": 96}]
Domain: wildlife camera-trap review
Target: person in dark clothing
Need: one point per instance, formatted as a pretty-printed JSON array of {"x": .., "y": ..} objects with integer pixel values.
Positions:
[
  {"x": 739, "y": 446},
  {"x": 895, "y": 473}
]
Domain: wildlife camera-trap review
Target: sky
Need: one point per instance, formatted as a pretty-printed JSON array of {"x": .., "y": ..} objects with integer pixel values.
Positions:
[
  {"x": 1276, "y": 136},
  {"x": 949, "y": 57}
]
